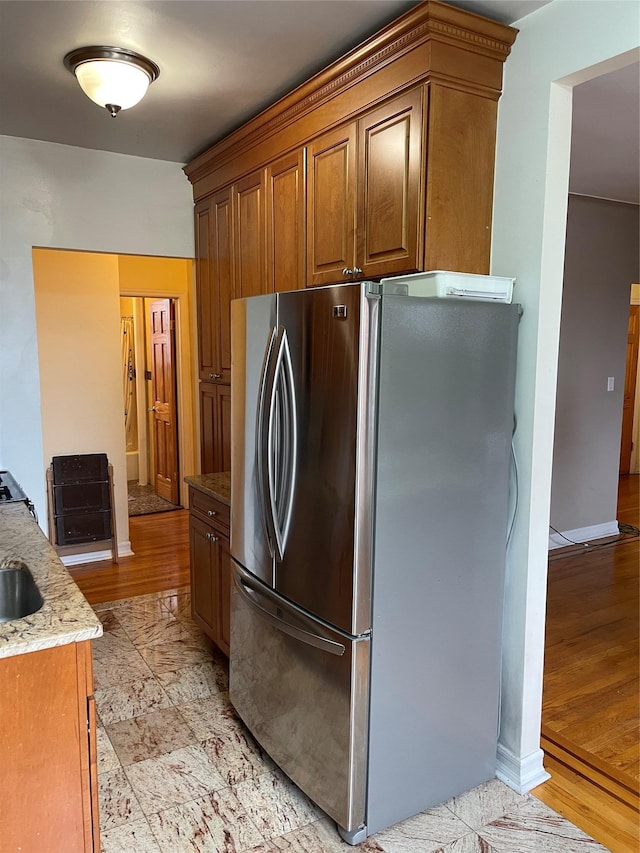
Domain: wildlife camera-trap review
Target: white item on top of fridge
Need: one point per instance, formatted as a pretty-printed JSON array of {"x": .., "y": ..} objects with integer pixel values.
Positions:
[{"x": 443, "y": 283}]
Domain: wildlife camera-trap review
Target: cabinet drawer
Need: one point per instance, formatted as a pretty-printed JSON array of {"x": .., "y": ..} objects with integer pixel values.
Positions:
[{"x": 208, "y": 509}]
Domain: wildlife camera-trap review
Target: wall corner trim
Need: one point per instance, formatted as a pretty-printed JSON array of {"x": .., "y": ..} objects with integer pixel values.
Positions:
[
  {"x": 580, "y": 535},
  {"x": 521, "y": 774},
  {"x": 124, "y": 550}
]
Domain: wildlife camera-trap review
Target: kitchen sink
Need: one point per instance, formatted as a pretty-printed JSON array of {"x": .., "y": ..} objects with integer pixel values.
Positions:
[{"x": 19, "y": 594}]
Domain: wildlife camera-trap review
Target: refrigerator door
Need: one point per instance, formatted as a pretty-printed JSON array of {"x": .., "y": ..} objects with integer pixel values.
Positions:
[
  {"x": 302, "y": 689},
  {"x": 323, "y": 563},
  {"x": 253, "y": 346}
]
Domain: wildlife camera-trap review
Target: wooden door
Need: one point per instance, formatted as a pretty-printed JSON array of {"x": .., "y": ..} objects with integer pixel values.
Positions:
[
  {"x": 224, "y": 433},
  {"x": 331, "y": 206},
  {"x": 224, "y": 587},
  {"x": 203, "y": 577},
  {"x": 249, "y": 230},
  {"x": 286, "y": 199},
  {"x": 215, "y": 428},
  {"x": 44, "y": 753},
  {"x": 390, "y": 187},
  {"x": 163, "y": 391},
  {"x": 628, "y": 405},
  {"x": 208, "y": 339},
  {"x": 223, "y": 286},
  {"x": 460, "y": 167}
]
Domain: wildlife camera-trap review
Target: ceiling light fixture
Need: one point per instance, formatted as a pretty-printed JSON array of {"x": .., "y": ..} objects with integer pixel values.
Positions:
[{"x": 112, "y": 77}]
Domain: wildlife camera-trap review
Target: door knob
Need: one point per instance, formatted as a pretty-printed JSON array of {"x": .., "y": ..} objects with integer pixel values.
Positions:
[
  {"x": 211, "y": 537},
  {"x": 215, "y": 376},
  {"x": 357, "y": 271},
  {"x": 347, "y": 271}
]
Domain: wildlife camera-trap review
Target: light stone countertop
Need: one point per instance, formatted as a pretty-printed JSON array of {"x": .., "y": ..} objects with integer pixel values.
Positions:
[
  {"x": 216, "y": 485},
  {"x": 66, "y": 616}
]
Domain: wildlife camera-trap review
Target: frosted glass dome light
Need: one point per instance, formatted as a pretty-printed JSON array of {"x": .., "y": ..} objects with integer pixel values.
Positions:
[{"x": 112, "y": 77}]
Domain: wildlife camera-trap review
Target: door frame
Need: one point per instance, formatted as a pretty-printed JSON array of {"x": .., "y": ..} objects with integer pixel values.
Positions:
[{"x": 188, "y": 460}]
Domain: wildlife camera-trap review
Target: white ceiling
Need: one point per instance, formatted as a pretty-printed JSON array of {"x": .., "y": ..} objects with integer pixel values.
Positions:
[{"x": 222, "y": 61}]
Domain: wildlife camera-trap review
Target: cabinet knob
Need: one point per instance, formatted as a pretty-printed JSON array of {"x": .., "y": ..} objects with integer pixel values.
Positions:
[
  {"x": 357, "y": 271},
  {"x": 347, "y": 271},
  {"x": 211, "y": 513},
  {"x": 211, "y": 537},
  {"x": 215, "y": 376}
]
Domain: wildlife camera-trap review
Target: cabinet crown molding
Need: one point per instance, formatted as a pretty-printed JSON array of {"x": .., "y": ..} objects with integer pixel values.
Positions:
[{"x": 428, "y": 23}]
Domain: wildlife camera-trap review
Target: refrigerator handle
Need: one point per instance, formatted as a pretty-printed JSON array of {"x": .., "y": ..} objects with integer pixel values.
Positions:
[
  {"x": 251, "y": 595},
  {"x": 265, "y": 394},
  {"x": 283, "y": 442}
]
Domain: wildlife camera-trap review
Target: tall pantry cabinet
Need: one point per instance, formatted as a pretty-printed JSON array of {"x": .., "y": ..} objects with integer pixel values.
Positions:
[{"x": 380, "y": 164}]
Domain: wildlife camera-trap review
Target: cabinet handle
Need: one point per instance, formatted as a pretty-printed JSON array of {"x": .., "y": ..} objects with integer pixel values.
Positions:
[
  {"x": 215, "y": 376},
  {"x": 211, "y": 537},
  {"x": 357, "y": 271},
  {"x": 347, "y": 271},
  {"x": 211, "y": 513}
]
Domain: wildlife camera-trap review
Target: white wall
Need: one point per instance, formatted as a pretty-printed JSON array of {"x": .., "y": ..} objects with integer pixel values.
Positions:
[
  {"x": 601, "y": 263},
  {"x": 72, "y": 198},
  {"x": 554, "y": 47}
]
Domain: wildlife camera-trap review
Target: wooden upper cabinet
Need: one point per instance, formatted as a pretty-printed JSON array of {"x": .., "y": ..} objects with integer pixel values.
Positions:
[
  {"x": 390, "y": 187},
  {"x": 206, "y": 315},
  {"x": 460, "y": 168},
  {"x": 286, "y": 200},
  {"x": 249, "y": 228},
  {"x": 215, "y": 285},
  {"x": 365, "y": 196},
  {"x": 331, "y": 206}
]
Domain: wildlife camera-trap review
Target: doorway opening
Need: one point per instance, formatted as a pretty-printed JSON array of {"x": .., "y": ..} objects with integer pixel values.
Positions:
[
  {"x": 589, "y": 708},
  {"x": 77, "y": 296},
  {"x": 150, "y": 383}
]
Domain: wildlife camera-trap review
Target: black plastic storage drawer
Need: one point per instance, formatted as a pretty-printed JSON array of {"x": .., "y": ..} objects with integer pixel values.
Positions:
[
  {"x": 80, "y": 497},
  {"x": 83, "y": 527},
  {"x": 80, "y": 468}
]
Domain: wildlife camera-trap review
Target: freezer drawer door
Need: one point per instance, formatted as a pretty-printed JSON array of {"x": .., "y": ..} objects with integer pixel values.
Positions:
[{"x": 302, "y": 690}]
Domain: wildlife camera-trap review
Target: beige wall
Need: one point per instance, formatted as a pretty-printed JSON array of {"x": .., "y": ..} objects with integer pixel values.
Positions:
[
  {"x": 78, "y": 331},
  {"x": 601, "y": 262}
]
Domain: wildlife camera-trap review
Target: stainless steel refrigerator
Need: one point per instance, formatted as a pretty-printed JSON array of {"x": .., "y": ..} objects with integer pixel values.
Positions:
[{"x": 371, "y": 433}]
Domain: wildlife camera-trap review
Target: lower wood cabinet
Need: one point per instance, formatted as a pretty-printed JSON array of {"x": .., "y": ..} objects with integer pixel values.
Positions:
[
  {"x": 48, "y": 754},
  {"x": 210, "y": 563}
]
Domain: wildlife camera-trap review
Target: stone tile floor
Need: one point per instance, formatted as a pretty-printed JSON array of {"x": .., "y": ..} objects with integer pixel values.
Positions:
[{"x": 179, "y": 772}]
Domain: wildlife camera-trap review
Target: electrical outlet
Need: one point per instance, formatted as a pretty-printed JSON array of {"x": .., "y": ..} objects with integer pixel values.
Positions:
[{"x": 610, "y": 383}]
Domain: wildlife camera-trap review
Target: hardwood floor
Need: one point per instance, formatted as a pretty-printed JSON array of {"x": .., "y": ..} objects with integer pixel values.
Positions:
[
  {"x": 161, "y": 546},
  {"x": 590, "y": 719}
]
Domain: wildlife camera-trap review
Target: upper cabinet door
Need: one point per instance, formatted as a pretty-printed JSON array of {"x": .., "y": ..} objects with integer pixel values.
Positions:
[
  {"x": 390, "y": 187},
  {"x": 207, "y": 315},
  {"x": 249, "y": 234},
  {"x": 331, "y": 206},
  {"x": 286, "y": 201},
  {"x": 222, "y": 284}
]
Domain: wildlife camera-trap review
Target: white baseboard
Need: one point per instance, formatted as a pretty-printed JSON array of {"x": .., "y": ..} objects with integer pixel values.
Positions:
[
  {"x": 124, "y": 550},
  {"x": 521, "y": 774},
  {"x": 583, "y": 534}
]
